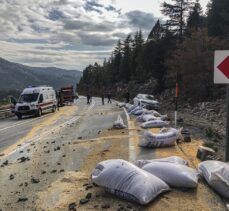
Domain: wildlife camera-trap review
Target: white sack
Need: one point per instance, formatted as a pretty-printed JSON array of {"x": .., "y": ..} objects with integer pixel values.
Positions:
[
  {"x": 216, "y": 174},
  {"x": 149, "y": 117},
  {"x": 172, "y": 159},
  {"x": 139, "y": 112},
  {"x": 140, "y": 118},
  {"x": 175, "y": 175},
  {"x": 135, "y": 109},
  {"x": 119, "y": 124},
  {"x": 127, "y": 181},
  {"x": 166, "y": 137},
  {"x": 148, "y": 112},
  {"x": 164, "y": 117},
  {"x": 155, "y": 124},
  {"x": 132, "y": 107},
  {"x": 128, "y": 106},
  {"x": 156, "y": 114},
  {"x": 121, "y": 105}
]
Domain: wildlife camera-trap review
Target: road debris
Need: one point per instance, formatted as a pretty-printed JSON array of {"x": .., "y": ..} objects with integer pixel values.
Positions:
[
  {"x": 23, "y": 159},
  {"x": 34, "y": 180},
  {"x": 11, "y": 177},
  {"x": 72, "y": 206},
  {"x": 204, "y": 152},
  {"x": 22, "y": 199},
  {"x": 84, "y": 201},
  {"x": 88, "y": 196},
  {"x": 105, "y": 206},
  {"x": 5, "y": 163}
]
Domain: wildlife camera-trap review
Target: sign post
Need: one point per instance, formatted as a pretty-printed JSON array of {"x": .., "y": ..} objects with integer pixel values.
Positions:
[
  {"x": 176, "y": 103},
  {"x": 227, "y": 129},
  {"x": 221, "y": 76}
]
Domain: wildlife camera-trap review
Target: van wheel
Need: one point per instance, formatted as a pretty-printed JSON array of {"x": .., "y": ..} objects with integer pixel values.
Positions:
[
  {"x": 19, "y": 116},
  {"x": 39, "y": 113},
  {"x": 53, "y": 109}
]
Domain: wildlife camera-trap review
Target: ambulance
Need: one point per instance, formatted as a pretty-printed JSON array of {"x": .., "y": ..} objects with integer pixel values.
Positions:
[{"x": 35, "y": 101}]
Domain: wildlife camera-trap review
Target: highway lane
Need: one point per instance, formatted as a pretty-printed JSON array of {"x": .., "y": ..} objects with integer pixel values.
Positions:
[{"x": 12, "y": 130}]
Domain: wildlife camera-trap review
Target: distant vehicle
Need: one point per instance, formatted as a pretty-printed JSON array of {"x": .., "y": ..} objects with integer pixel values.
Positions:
[
  {"x": 146, "y": 101},
  {"x": 35, "y": 101},
  {"x": 66, "y": 95}
]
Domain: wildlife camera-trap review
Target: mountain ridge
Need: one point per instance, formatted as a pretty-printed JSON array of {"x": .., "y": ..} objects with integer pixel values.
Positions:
[{"x": 15, "y": 76}]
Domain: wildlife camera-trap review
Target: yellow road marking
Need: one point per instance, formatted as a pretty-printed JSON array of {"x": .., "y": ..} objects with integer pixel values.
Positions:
[{"x": 66, "y": 111}]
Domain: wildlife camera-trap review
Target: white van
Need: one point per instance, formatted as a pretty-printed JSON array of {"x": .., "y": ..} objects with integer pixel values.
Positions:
[{"x": 35, "y": 101}]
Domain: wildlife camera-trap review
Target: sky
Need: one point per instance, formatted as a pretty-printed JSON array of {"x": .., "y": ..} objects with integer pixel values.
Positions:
[{"x": 71, "y": 34}]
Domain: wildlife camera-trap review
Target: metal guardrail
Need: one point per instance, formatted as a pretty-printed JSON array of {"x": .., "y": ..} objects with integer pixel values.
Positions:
[{"x": 5, "y": 113}]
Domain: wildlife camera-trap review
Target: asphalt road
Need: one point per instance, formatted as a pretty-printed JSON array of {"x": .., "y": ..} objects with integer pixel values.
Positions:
[
  {"x": 60, "y": 151},
  {"x": 12, "y": 129}
]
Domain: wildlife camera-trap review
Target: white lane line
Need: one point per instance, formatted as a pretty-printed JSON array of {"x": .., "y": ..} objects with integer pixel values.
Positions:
[
  {"x": 36, "y": 138},
  {"x": 24, "y": 122},
  {"x": 132, "y": 150}
]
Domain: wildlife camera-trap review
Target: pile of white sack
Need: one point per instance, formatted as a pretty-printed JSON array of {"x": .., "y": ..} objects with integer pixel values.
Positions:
[
  {"x": 151, "y": 118},
  {"x": 143, "y": 182},
  {"x": 127, "y": 181},
  {"x": 119, "y": 124},
  {"x": 165, "y": 138}
]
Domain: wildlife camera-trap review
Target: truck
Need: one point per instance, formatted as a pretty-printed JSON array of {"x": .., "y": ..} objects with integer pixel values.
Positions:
[
  {"x": 66, "y": 95},
  {"x": 36, "y": 100}
]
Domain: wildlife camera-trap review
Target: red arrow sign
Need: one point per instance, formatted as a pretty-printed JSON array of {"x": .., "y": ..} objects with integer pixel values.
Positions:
[{"x": 224, "y": 67}]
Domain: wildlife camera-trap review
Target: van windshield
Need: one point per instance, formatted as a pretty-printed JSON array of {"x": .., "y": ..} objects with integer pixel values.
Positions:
[{"x": 28, "y": 98}]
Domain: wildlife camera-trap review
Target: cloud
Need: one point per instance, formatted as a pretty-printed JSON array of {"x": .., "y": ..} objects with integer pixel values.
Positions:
[
  {"x": 55, "y": 15},
  {"x": 65, "y": 32},
  {"x": 140, "y": 19},
  {"x": 93, "y": 5}
]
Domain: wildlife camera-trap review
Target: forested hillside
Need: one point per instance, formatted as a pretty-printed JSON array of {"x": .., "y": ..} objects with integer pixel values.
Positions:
[
  {"x": 181, "y": 48},
  {"x": 15, "y": 77}
]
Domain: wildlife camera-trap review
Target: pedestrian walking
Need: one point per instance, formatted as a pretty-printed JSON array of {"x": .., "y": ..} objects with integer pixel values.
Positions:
[{"x": 109, "y": 97}]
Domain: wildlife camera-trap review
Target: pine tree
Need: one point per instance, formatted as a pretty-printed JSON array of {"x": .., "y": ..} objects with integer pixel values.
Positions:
[
  {"x": 218, "y": 18},
  {"x": 157, "y": 32},
  {"x": 177, "y": 13},
  {"x": 195, "y": 19},
  {"x": 116, "y": 61},
  {"x": 137, "y": 47},
  {"x": 125, "y": 71}
]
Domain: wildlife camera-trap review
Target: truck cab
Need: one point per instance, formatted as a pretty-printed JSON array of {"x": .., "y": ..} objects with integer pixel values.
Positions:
[{"x": 35, "y": 101}]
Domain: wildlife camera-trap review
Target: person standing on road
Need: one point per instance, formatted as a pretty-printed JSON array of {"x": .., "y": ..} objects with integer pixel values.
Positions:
[
  {"x": 109, "y": 97},
  {"x": 127, "y": 97},
  {"x": 103, "y": 99},
  {"x": 88, "y": 99}
]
